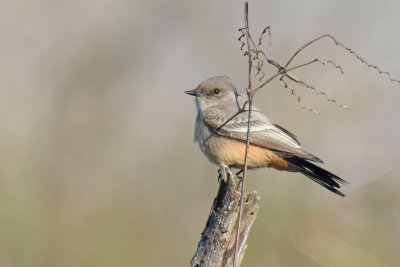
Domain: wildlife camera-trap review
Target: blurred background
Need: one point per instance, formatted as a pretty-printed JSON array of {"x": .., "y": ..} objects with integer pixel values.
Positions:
[{"x": 97, "y": 161}]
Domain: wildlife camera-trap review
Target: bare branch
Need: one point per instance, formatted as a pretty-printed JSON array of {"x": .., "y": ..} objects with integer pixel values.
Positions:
[
  {"x": 298, "y": 96},
  {"x": 257, "y": 51},
  {"x": 317, "y": 92},
  {"x": 269, "y": 41},
  {"x": 217, "y": 243},
  {"x": 259, "y": 69},
  {"x": 319, "y": 61},
  {"x": 240, "y": 39},
  {"x": 250, "y": 97},
  {"x": 345, "y": 47}
]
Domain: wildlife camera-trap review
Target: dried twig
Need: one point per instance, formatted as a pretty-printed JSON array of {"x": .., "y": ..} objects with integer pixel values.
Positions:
[
  {"x": 317, "y": 92},
  {"x": 319, "y": 61},
  {"x": 260, "y": 56},
  {"x": 293, "y": 92},
  {"x": 351, "y": 51},
  {"x": 250, "y": 98}
]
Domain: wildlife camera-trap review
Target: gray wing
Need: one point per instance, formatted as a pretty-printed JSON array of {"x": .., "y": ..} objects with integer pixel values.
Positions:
[{"x": 232, "y": 122}]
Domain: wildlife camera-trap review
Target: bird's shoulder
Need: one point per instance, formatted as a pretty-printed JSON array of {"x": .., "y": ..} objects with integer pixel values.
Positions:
[{"x": 234, "y": 116}]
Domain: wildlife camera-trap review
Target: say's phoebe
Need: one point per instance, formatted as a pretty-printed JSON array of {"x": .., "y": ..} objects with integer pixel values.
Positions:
[{"x": 221, "y": 129}]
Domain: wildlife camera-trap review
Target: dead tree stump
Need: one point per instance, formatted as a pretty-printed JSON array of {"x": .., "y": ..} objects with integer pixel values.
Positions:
[{"x": 217, "y": 244}]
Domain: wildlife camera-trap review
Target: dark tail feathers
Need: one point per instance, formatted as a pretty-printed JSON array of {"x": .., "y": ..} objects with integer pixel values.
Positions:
[{"x": 327, "y": 179}]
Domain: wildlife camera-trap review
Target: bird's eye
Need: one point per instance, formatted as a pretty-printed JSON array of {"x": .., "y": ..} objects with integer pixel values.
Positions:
[{"x": 217, "y": 91}]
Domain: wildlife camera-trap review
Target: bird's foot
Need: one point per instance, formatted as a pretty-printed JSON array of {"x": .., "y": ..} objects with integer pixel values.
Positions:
[{"x": 223, "y": 173}]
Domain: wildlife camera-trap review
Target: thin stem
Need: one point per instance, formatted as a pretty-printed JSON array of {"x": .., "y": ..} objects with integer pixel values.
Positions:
[
  {"x": 269, "y": 41},
  {"x": 302, "y": 65},
  {"x": 250, "y": 97},
  {"x": 304, "y": 46}
]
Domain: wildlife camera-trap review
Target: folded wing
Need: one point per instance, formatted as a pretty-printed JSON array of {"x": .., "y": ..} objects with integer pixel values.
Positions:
[{"x": 263, "y": 133}]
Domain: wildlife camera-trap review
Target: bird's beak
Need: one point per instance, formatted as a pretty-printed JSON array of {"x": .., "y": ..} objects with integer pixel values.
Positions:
[{"x": 191, "y": 92}]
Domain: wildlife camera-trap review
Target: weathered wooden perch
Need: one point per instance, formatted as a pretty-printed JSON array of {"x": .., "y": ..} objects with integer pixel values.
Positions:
[{"x": 217, "y": 244}]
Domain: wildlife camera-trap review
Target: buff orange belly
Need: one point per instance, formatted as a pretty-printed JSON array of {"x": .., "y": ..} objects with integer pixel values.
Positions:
[{"x": 231, "y": 152}]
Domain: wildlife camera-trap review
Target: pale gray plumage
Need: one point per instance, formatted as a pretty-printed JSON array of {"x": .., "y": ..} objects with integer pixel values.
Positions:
[
  {"x": 221, "y": 131},
  {"x": 231, "y": 121}
]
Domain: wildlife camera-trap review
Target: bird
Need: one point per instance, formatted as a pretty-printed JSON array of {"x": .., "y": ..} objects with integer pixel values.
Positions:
[{"x": 221, "y": 132}]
